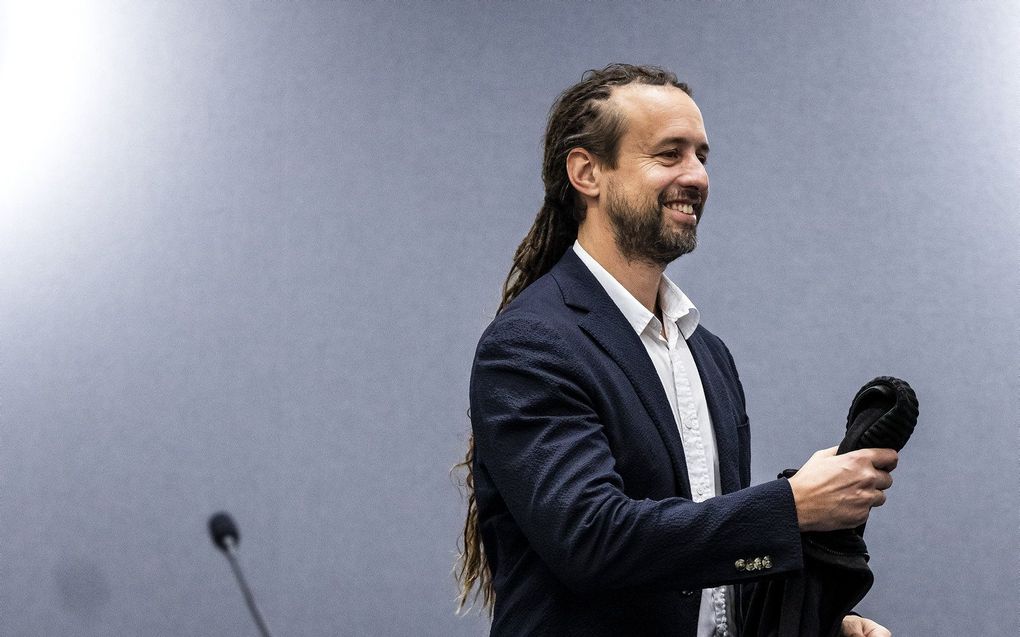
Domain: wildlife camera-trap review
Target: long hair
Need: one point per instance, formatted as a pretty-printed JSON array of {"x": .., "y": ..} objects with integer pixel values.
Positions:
[{"x": 581, "y": 117}]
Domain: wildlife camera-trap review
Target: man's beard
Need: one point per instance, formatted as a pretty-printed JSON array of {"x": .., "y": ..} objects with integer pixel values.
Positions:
[{"x": 642, "y": 234}]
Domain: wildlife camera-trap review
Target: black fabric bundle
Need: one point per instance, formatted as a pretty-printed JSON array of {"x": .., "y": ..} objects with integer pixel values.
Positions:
[
  {"x": 836, "y": 577},
  {"x": 882, "y": 416}
]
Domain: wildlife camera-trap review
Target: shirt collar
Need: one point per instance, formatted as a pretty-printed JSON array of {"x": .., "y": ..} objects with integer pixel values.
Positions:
[{"x": 675, "y": 305}]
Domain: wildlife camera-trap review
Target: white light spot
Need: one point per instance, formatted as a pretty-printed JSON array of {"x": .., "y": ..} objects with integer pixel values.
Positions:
[{"x": 45, "y": 53}]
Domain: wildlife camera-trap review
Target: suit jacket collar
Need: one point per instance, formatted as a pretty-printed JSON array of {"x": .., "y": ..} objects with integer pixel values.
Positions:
[{"x": 602, "y": 320}]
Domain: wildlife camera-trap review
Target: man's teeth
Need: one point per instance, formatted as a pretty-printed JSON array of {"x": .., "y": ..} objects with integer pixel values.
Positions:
[{"x": 683, "y": 208}]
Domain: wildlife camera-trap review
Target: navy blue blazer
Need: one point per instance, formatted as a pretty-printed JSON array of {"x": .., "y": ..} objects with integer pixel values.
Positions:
[{"x": 584, "y": 501}]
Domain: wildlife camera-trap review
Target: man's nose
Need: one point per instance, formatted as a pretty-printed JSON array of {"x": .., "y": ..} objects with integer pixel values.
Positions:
[{"x": 694, "y": 176}]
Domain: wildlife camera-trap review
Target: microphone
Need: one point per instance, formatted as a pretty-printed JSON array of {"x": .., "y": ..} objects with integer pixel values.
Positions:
[
  {"x": 226, "y": 537},
  {"x": 224, "y": 531}
]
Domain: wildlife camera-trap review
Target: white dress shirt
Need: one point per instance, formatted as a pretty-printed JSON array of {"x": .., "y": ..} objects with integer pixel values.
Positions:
[{"x": 666, "y": 344}]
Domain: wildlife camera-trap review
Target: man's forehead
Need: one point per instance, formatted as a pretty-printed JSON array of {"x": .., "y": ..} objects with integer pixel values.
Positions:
[
  {"x": 650, "y": 109},
  {"x": 649, "y": 95}
]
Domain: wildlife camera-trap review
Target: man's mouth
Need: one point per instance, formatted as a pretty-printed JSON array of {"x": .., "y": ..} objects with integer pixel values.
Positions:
[
  {"x": 682, "y": 207},
  {"x": 685, "y": 201}
]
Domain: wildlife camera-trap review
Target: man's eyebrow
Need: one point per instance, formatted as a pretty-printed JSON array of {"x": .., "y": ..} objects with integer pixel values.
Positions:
[{"x": 682, "y": 141}]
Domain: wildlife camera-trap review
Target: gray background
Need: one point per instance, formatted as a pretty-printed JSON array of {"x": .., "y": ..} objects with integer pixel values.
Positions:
[{"x": 250, "y": 271}]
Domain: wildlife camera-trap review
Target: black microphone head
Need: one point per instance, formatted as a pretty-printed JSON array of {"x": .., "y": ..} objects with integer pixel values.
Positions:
[{"x": 222, "y": 528}]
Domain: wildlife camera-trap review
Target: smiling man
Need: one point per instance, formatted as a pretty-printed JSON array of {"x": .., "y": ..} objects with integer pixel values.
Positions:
[{"x": 610, "y": 458}]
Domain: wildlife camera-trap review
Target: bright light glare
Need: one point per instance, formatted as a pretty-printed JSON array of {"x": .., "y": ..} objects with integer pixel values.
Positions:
[{"x": 45, "y": 53}]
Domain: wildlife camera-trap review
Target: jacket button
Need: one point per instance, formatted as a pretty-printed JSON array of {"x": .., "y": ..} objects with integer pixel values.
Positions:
[{"x": 687, "y": 593}]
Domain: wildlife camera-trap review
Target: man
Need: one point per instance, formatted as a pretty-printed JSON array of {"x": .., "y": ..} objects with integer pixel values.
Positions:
[{"x": 610, "y": 464}]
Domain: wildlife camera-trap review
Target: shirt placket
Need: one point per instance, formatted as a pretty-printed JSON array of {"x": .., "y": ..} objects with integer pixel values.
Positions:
[
  {"x": 697, "y": 461},
  {"x": 690, "y": 431}
]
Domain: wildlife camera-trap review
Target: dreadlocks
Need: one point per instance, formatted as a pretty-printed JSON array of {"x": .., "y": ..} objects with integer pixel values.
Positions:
[{"x": 581, "y": 117}]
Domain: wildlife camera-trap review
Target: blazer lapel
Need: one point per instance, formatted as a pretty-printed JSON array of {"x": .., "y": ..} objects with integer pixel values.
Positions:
[{"x": 607, "y": 326}]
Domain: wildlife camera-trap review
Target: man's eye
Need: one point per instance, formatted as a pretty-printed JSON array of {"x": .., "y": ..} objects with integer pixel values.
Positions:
[
  {"x": 670, "y": 154},
  {"x": 703, "y": 159}
]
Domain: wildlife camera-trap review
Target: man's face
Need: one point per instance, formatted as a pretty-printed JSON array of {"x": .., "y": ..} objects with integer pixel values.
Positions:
[{"x": 657, "y": 192}]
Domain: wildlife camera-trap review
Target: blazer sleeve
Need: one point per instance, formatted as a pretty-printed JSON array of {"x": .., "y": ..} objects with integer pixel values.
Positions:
[{"x": 541, "y": 441}]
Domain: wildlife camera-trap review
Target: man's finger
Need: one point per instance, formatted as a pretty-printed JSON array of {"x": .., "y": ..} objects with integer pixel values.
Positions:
[
  {"x": 884, "y": 459},
  {"x": 883, "y": 481},
  {"x": 879, "y": 500},
  {"x": 852, "y": 627}
]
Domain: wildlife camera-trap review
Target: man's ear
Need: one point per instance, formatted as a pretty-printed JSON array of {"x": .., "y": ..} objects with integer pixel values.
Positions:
[{"x": 583, "y": 170}]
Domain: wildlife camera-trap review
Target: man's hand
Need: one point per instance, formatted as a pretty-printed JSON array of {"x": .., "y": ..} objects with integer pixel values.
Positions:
[
  {"x": 854, "y": 626},
  {"x": 837, "y": 492}
]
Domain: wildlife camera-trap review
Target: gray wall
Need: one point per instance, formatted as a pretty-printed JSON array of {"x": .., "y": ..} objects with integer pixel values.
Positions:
[{"x": 246, "y": 265}]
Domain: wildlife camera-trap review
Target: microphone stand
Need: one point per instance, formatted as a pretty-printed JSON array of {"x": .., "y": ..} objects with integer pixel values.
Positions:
[
  {"x": 249, "y": 598},
  {"x": 225, "y": 536}
]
